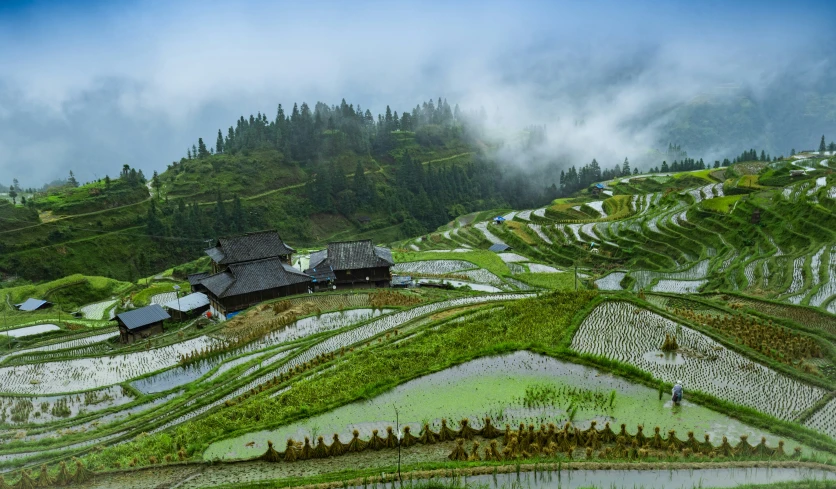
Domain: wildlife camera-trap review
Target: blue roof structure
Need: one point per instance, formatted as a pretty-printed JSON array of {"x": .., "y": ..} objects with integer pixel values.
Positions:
[
  {"x": 31, "y": 305},
  {"x": 499, "y": 219},
  {"x": 143, "y": 316},
  {"x": 499, "y": 247},
  {"x": 401, "y": 280},
  {"x": 599, "y": 185},
  {"x": 188, "y": 303}
]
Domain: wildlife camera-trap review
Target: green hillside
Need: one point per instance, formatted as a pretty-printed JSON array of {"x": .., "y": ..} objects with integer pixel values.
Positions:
[
  {"x": 314, "y": 175},
  {"x": 721, "y": 278}
]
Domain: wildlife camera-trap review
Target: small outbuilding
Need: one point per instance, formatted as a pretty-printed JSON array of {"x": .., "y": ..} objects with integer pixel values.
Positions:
[
  {"x": 188, "y": 306},
  {"x": 31, "y": 304},
  {"x": 499, "y": 247},
  {"x": 141, "y": 323}
]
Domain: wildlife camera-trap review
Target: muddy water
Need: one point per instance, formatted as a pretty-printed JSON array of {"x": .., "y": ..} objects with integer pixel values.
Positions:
[
  {"x": 495, "y": 387},
  {"x": 458, "y": 283},
  {"x": 29, "y": 331},
  {"x": 646, "y": 479},
  {"x": 180, "y": 376}
]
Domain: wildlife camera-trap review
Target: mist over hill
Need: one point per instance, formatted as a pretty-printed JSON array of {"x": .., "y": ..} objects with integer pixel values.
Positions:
[{"x": 606, "y": 87}]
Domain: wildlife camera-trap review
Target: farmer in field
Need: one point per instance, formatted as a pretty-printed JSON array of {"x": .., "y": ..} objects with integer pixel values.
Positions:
[{"x": 677, "y": 392}]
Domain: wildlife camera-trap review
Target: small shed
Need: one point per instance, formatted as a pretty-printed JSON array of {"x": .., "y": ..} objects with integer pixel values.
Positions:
[
  {"x": 498, "y": 220},
  {"x": 401, "y": 281},
  {"x": 31, "y": 304},
  {"x": 323, "y": 277},
  {"x": 141, "y": 323},
  {"x": 188, "y": 306},
  {"x": 499, "y": 247}
]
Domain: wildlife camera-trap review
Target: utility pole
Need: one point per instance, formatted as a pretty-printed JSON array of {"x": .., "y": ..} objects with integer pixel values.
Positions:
[
  {"x": 398, "y": 429},
  {"x": 576, "y": 276},
  {"x": 177, "y": 291}
]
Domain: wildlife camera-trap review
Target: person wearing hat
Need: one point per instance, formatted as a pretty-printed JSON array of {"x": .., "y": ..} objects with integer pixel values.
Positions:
[{"x": 677, "y": 392}]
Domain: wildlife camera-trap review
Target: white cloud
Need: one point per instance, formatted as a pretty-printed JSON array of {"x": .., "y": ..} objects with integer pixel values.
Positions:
[{"x": 137, "y": 84}]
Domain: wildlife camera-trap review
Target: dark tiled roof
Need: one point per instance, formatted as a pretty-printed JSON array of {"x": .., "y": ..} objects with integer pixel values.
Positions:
[
  {"x": 253, "y": 276},
  {"x": 321, "y": 274},
  {"x": 317, "y": 257},
  {"x": 249, "y": 247},
  {"x": 195, "y": 278},
  {"x": 143, "y": 316},
  {"x": 352, "y": 255},
  {"x": 218, "y": 283},
  {"x": 31, "y": 305}
]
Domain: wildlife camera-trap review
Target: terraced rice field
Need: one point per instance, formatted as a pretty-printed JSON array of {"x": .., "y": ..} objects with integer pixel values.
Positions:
[
  {"x": 673, "y": 241},
  {"x": 485, "y": 388},
  {"x": 611, "y": 282},
  {"x": 438, "y": 267},
  {"x": 98, "y": 310},
  {"x": 620, "y": 331},
  {"x": 92, "y": 373}
]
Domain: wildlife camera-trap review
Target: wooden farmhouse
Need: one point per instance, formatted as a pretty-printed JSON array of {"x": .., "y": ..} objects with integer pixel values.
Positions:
[
  {"x": 247, "y": 270},
  {"x": 351, "y": 264},
  {"x": 141, "y": 323}
]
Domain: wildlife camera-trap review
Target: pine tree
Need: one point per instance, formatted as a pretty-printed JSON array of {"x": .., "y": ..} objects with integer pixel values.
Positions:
[
  {"x": 156, "y": 184},
  {"x": 202, "y": 152},
  {"x": 220, "y": 225},
  {"x": 107, "y": 182},
  {"x": 72, "y": 182},
  {"x": 360, "y": 185},
  {"x": 153, "y": 225},
  {"x": 219, "y": 144},
  {"x": 13, "y": 194},
  {"x": 822, "y": 146},
  {"x": 238, "y": 218},
  {"x": 625, "y": 168}
]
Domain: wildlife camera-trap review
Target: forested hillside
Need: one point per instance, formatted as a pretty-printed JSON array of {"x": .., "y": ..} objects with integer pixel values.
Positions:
[{"x": 316, "y": 174}]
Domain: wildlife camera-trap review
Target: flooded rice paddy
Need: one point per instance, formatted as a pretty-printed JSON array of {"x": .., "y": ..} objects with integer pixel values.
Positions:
[
  {"x": 30, "y": 330},
  {"x": 521, "y": 387}
]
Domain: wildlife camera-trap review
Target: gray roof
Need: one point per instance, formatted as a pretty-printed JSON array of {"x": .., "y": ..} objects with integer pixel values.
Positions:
[
  {"x": 249, "y": 247},
  {"x": 497, "y": 247},
  {"x": 243, "y": 278},
  {"x": 195, "y": 278},
  {"x": 143, "y": 316},
  {"x": 31, "y": 304},
  {"x": 318, "y": 257},
  {"x": 352, "y": 255},
  {"x": 188, "y": 303},
  {"x": 321, "y": 274}
]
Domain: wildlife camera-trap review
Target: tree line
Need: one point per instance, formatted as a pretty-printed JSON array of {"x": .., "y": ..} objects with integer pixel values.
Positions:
[{"x": 307, "y": 134}]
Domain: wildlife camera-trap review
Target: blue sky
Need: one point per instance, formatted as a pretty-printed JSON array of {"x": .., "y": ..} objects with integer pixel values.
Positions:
[{"x": 89, "y": 86}]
